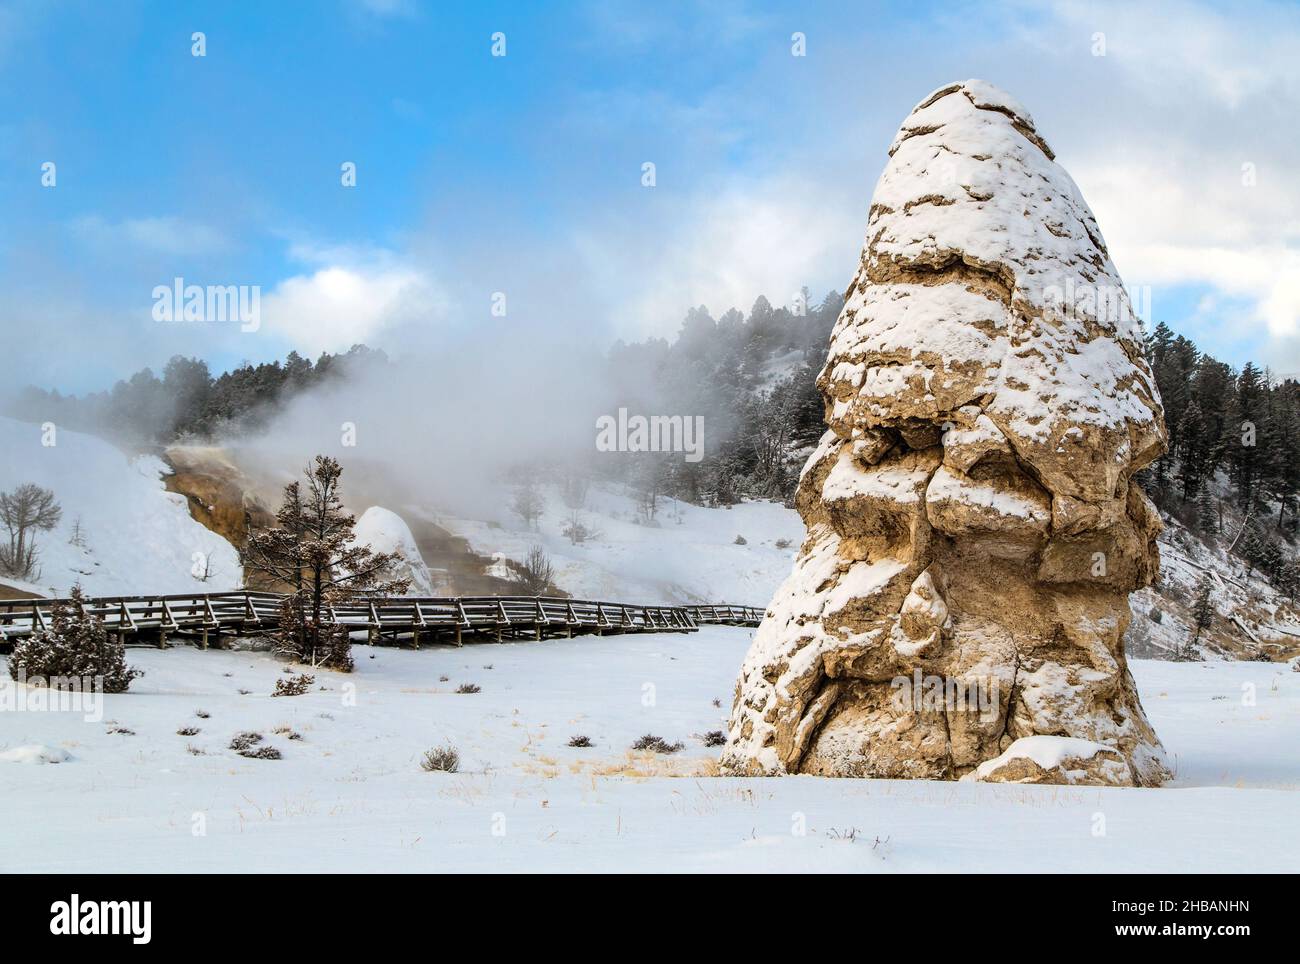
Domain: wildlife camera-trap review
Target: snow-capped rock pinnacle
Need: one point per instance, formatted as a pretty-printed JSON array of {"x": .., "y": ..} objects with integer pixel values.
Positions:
[{"x": 973, "y": 527}]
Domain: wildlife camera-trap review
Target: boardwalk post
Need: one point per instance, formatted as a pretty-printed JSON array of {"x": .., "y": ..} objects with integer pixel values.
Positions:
[{"x": 462, "y": 620}]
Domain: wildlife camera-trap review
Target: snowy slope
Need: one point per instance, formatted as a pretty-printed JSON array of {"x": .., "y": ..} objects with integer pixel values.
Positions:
[
  {"x": 1253, "y": 620},
  {"x": 688, "y": 554},
  {"x": 138, "y": 536},
  {"x": 350, "y": 795}
]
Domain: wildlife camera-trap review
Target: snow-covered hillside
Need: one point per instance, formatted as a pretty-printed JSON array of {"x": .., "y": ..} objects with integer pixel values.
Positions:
[
  {"x": 1252, "y": 618},
  {"x": 134, "y": 794},
  {"x": 135, "y": 535},
  {"x": 687, "y": 554}
]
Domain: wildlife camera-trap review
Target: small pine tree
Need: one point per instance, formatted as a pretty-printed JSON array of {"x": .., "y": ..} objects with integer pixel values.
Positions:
[
  {"x": 311, "y": 553},
  {"x": 1207, "y": 514},
  {"x": 75, "y": 646},
  {"x": 1202, "y": 613}
]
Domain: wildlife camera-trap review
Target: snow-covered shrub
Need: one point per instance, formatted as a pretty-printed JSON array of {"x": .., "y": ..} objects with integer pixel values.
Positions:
[
  {"x": 580, "y": 741},
  {"x": 469, "y": 688},
  {"x": 741, "y": 541},
  {"x": 188, "y": 731},
  {"x": 295, "y": 684},
  {"x": 715, "y": 738},
  {"x": 656, "y": 744},
  {"x": 261, "y": 753},
  {"x": 443, "y": 759},
  {"x": 245, "y": 741},
  {"x": 75, "y": 647}
]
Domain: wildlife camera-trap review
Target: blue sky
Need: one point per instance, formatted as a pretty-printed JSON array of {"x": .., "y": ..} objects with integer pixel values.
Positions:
[{"x": 522, "y": 174}]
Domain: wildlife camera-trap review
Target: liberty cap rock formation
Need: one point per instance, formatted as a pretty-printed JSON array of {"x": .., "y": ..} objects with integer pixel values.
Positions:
[{"x": 959, "y": 605}]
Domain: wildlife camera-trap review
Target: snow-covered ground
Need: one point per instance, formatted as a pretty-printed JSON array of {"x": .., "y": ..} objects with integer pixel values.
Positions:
[
  {"x": 688, "y": 554},
  {"x": 350, "y": 794},
  {"x": 135, "y": 535}
]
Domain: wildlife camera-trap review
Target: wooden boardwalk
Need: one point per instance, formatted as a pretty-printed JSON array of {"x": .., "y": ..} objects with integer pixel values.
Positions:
[{"x": 418, "y": 619}]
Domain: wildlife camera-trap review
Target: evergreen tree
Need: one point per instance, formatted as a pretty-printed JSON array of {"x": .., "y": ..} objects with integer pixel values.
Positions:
[
  {"x": 76, "y": 647},
  {"x": 1246, "y": 452},
  {"x": 311, "y": 553},
  {"x": 1202, "y": 613},
  {"x": 1207, "y": 514}
]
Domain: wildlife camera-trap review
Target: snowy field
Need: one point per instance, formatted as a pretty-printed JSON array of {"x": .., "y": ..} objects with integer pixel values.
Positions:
[{"x": 350, "y": 795}]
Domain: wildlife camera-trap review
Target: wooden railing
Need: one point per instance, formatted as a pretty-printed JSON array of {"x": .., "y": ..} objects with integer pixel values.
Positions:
[{"x": 422, "y": 618}]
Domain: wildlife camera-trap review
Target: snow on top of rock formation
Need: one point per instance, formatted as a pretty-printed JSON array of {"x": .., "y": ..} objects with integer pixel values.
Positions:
[
  {"x": 1053, "y": 752},
  {"x": 985, "y": 280},
  {"x": 386, "y": 531},
  {"x": 946, "y": 485}
]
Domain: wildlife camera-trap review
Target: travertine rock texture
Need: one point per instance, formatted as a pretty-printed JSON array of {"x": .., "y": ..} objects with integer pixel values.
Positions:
[{"x": 958, "y": 607}]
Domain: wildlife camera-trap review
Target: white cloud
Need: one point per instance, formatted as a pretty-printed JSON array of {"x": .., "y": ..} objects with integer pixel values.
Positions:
[
  {"x": 352, "y": 296},
  {"x": 1183, "y": 50},
  {"x": 166, "y": 234}
]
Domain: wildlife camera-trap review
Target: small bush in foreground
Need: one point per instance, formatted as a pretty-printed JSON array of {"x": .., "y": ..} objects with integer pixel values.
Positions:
[
  {"x": 261, "y": 753},
  {"x": 74, "y": 648},
  {"x": 293, "y": 684},
  {"x": 580, "y": 741},
  {"x": 188, "y": 731},
  {"x": 469, "y": 688},
  {"x": 443, "y": 759},
  {"x": 715, "y": 738},
  {"x": 244, "y": 741},
  {"x": 656, "y": 744}
]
